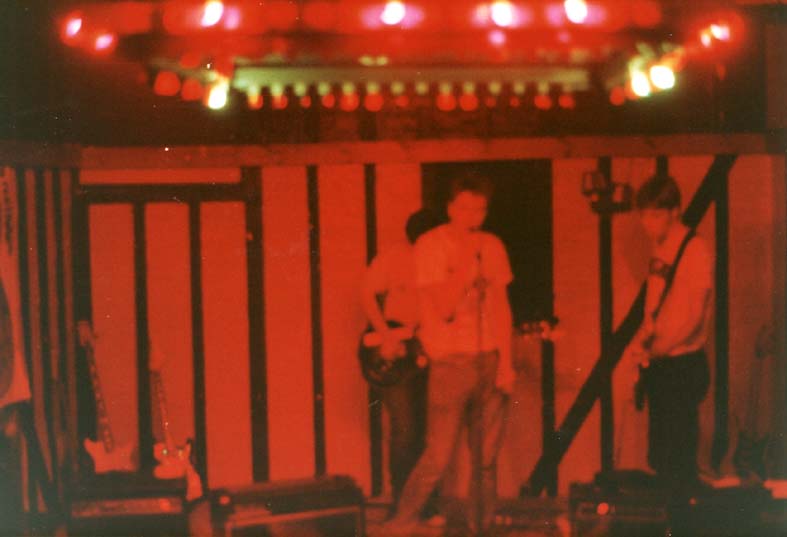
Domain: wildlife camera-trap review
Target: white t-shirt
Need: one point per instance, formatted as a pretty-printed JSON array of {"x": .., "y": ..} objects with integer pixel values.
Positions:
[
  {"x": 392, "y": 274},
  {"x": 693, "y": 278},
  {"x": 436, "y": 258}
]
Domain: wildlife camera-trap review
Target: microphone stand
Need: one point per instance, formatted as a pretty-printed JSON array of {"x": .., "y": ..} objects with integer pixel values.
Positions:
[{"x": 477, "y": 412}]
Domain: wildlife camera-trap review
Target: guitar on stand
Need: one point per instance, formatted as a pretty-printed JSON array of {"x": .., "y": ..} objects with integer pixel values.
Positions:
[
  {"x": 174, "y": 462},
  {"x": 106, "y": 455}
]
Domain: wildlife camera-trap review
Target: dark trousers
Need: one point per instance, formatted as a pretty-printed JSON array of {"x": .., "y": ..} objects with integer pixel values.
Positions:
[
  {"x": 405, "y": 402},
  {"x": 461, "y": 391},
  {"x": 675, "y": 387}
]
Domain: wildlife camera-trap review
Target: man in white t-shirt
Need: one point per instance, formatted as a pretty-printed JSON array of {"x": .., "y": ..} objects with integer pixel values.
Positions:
[
  {"x": 670, "y": 345},
  {"x": 462, "y": 274}
]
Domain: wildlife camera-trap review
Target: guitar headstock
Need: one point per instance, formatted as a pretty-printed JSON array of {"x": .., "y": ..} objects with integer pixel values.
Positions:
[{"x": 85, "y": 334}]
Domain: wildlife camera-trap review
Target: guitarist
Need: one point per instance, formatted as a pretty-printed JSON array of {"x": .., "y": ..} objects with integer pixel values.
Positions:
[
  {"x": 669, "y": 346},
  {"x": 391, "y": 276}
]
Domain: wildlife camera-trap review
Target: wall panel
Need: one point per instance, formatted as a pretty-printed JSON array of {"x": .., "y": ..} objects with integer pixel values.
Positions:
[{"x": 288, "y": 322}]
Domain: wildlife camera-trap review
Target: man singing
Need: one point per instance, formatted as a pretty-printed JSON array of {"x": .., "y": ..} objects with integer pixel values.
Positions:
[
  {"x": 669, "y": 347},
  {"x": 462, "y": 274}
]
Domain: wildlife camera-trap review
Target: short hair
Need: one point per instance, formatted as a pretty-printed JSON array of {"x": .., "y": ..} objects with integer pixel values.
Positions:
[
  {"x": 470, "y": 181},
  {"x": 659, "y": 192},
  {"x": 419, "y": 223}
]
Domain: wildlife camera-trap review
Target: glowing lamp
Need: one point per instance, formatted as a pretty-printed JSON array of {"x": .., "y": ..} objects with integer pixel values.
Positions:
[
  {"x": 497, "y": 38},
  {"x": 502, "y": 13},
  {"x": 212, "y": 13},
  {"x": 468, "y": 102},
  {"x": 254, "y": 99},
  {"x": 349, "y": 102},
  {"x": 514, "y": 102},
  {"x": 662, "y": 77},
  {"x": 617, "y": 96},
  {"x": 720, "y": 31},
  {"x": 402, "y": 101},
  {"x": 191, "y": 90},
  {"x": 305, "y": 101},
  {"x": 218, "y": 95},
  {"x": 446, "y": 101},
  {"x": 567, "y": 101},
  {"x": 393, "y": 13},
  {"x": 706, "y": 38},
  {"x": 576, "y": 10},
  {"x": 373, "y": 102},
  {"x": 328, "y": 100},
  {"x": 104, "y": 42},
  {"x": 640, "y": 84},
  {"x": 166, "y": 83},
  {"x": 280, "y": 101},
  {"x": 602, "y": 509},
  {"x": 543, "y": 101},
  {"x": 72, "y": 27}
]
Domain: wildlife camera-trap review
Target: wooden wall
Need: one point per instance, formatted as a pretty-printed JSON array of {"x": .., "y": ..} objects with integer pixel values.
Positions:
[{"x": 312, "y": 239}]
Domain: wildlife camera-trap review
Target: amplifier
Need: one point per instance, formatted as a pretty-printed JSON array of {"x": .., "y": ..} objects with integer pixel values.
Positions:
[
  {"x": 128, "y": 504},
  {"x": 320, "y": 507}
]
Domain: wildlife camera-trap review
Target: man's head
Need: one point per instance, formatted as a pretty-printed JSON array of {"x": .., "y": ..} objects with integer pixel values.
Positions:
[
  {"x": 468, "y": 200},
  {"x": 658, "y": 203},
  {"x": 419, "y": 223}
]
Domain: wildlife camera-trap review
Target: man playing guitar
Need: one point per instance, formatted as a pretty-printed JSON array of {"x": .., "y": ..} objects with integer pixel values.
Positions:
[
  {"x": 391, "y": 275},
  {"x": 668, "y": 349},
  {"x": 462, "y": 274}
]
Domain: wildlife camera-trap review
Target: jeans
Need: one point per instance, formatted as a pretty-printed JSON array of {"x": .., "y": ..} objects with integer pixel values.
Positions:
[
  {"x": 461, "y": 391},
  {"x": 405, "y": 402}
]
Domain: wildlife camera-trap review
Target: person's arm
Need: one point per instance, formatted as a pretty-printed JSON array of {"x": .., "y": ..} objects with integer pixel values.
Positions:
[
  {"x": 681, "y": 318},
  {"x": 373, "y": 284},
  {"x": 501, "y": 324}
]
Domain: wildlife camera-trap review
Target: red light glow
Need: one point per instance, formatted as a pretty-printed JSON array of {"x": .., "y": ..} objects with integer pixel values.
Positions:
[
  {"x": 446, "y": 102},
  {"x": 567, "y": 101},
  {"x": 576, "y": 10},
  {"x": 104, "y": 42},
  {"x": 502, "y": 13},
  {"x": 602, "y": 509},
  {"x": 192, "y": 90},
  {"x": 617, "y": 96},
  {"x": 543, "y": 101},
  {"x": 72, "y": 27},
  {"x": 349, "y": 102},
  {"x": 279, "y": 102},
  {"x": 373, "y": 102},
  {"x": 167, "y": 84},
  {"x": 305, "y": 101},
  {"x": 328, "y": 101},
  {"x": 212, "y": 13},
  {"x": 393, "y": 13},
  {"x": 468, "y": 102}
]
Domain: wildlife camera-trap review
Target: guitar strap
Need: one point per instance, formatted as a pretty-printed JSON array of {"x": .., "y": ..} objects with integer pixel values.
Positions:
[{"x": 670, "y": 277}]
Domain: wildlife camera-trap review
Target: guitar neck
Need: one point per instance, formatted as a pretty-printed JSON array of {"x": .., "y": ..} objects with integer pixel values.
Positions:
[
  {"x": 103, "y": 429},
  {"x": 161, "y": 402}
]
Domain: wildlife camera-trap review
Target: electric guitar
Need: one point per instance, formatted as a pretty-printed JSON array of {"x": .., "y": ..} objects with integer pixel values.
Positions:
[
  {"x": 382, "y": 371},
  {"x": 749, "y": 458},
  {"x": 409, "y": 356},
  {"x": 174, "y": 462},
  {"x": 106, "y": 455}
]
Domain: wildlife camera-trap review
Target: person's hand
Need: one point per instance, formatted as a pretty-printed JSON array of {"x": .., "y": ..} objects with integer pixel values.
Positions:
[
  {"x": 506, "y": 376},
  {"x": 636, "y": 356},
  {"x": 392, "y": 347}
]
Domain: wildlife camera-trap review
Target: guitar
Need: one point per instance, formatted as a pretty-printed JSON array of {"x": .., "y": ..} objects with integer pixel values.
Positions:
[
  {"x": 381, "y": 371},
  {"x": 749, "y": 458},
  {"x": 106, "y": 455},
  {"x": 174, "y": 462}
]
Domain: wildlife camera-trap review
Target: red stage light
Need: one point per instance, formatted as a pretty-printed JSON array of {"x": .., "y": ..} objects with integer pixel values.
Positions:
[
  {"x": 497, "y": 38},
  {"x": 514, "y": 102},
  {"x": 446, "y": 101},
  {"x": 71, "y": 28},
  {"x": 192, "y": 90},
  {"x": 602, "y": 509},
  {"x": 305, "y": 101},
  {"x": 402, "y": 101},
  {"x": 329, "y": 100},
  {"x": 393, "y": 13},
  {"x": 212, "y": 12},
  {"x": 373, "y": 102},
  {"x": 349, "y": 102},
  {"x": 502, "y": 13},
  {"x": 104, "y": 42},
  {"x": 255, "y": 100},
  {"x": 543, "y": 101},
  {"x": 567, "y": 101},
  {"x": 468, "y": 102},
  {"x": 576, "y": 10},
  {"x": 617, "y": 96},
  {"x": 279, "y": 102},
  {"x": 167, "y": 84},
  {"x": 490, "y": 102}
]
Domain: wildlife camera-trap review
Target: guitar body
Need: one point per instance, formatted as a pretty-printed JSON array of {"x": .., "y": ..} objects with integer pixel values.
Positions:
[
  {"x": 172, "y": 463},
  {"x": 383, "y": 372},
  {"x": 120, "y": 459}
]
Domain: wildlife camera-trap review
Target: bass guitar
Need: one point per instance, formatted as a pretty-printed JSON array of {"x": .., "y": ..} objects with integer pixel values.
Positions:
[
  {"x": 382, "y": 371},
  {"x": 106, "y": 455}
]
